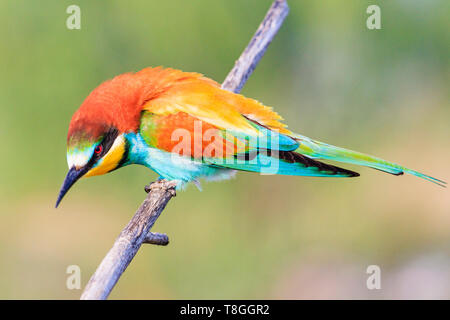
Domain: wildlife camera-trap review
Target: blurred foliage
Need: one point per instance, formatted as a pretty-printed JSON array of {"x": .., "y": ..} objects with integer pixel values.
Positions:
[{"x": 383, "y": 92}]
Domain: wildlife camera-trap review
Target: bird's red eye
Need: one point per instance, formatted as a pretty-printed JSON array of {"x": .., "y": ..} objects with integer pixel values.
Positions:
[{"x": 98, "y": 149}]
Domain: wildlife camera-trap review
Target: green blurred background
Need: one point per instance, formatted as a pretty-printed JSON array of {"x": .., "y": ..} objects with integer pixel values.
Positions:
[{"x": 384, "y": 92}]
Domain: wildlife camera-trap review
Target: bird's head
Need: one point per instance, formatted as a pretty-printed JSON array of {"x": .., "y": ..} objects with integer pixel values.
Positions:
[
  {"x": 96, "y": 142},
  {"x": 91, "y": 153}
]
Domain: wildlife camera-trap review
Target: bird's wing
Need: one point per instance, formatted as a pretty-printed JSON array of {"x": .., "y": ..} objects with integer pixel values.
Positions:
[{"x": 185, "y": 135}]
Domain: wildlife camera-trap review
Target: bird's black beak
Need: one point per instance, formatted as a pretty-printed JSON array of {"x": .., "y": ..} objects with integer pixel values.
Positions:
[{"x": 72, "y": 176}]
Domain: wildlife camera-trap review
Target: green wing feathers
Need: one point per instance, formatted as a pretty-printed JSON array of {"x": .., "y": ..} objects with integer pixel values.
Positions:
[
  {"x": 273, "y": 153},
  {"x": 320, "y": 150}
]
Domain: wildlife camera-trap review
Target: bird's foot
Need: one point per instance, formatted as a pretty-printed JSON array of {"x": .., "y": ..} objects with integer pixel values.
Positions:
[{"x": 162, "y": 184}]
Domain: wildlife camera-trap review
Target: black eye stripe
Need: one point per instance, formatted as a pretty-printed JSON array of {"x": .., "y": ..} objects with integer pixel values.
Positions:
[
  {"x": 106, "y": 144},
  {"x": 108, "y": 141}
]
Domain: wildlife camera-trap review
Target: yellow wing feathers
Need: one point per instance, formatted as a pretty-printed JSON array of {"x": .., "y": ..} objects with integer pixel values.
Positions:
[{"x": 178, "y": 91}]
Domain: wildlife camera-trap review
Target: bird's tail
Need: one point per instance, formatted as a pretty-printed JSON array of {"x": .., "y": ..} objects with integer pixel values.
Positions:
[{"x": 320, "y": 150}]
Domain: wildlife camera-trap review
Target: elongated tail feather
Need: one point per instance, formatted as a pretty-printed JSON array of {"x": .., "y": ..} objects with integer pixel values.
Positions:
[{"x": 320, "y": 150}]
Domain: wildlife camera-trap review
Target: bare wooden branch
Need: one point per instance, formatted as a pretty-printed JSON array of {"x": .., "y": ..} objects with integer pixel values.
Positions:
[
  {"x": 160, "y": 192},
  {"x": 257, "y": 46},
  {"x": 129, "y": 241}
]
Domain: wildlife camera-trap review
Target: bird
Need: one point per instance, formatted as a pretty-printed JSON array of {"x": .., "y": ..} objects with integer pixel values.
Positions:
[{"x": 185, "y": 127}]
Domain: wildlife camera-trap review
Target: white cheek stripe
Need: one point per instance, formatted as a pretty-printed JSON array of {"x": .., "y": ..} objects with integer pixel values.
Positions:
[{"x": 77, "y": 158}]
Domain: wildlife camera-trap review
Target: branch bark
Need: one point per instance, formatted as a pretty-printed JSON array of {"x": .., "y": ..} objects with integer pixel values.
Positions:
[
  {"x": 257, "y": 46},
  {"x": 160, "y": 192},
  {"x": 129, "y": 241},
  {"x": 159, "y": 239}
]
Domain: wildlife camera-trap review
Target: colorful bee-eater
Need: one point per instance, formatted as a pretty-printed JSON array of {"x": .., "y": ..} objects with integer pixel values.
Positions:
[{"x": 185, "y": 127}]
